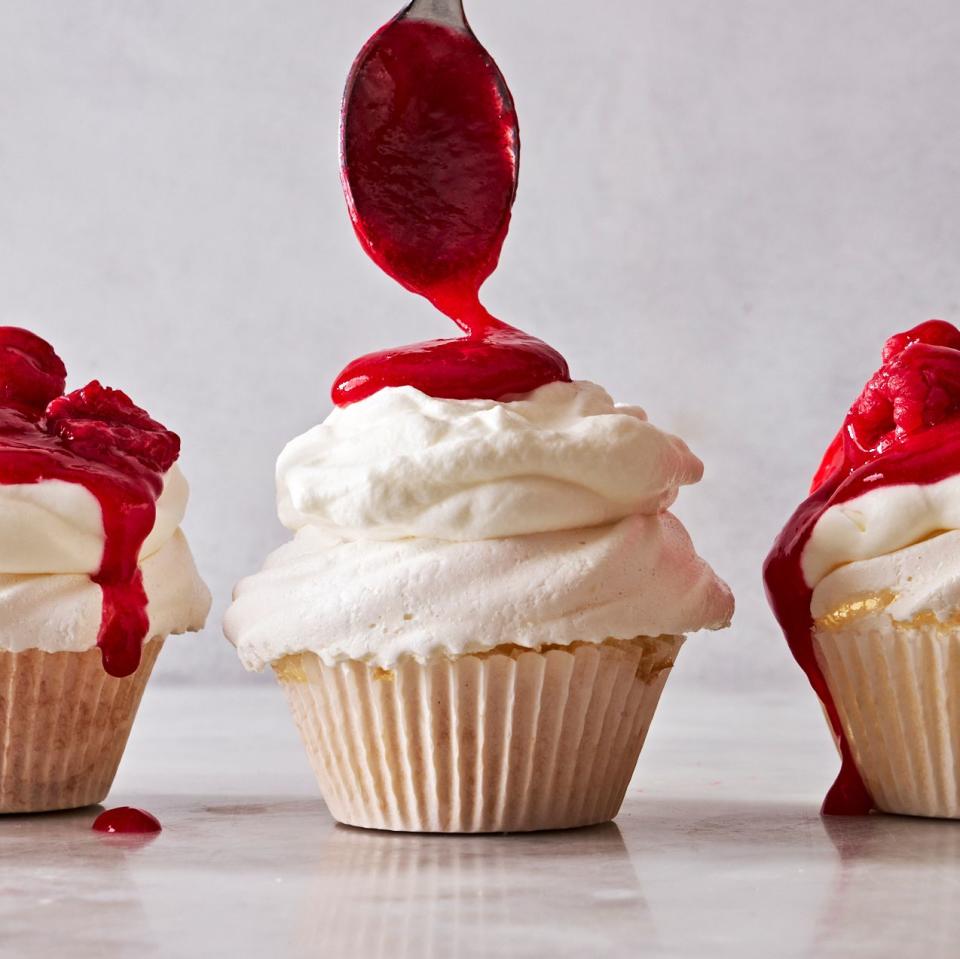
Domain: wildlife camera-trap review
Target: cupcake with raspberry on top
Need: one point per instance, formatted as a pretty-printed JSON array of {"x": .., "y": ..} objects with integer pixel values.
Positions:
[
  {"x": 865, "y": 581},
  {"x": 94, "y": 574}
]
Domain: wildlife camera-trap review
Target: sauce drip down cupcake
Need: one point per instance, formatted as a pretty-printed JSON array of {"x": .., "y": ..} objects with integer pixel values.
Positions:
[
  {"x": 94, "y": 574},
  {"x": 865, "y": 583}
]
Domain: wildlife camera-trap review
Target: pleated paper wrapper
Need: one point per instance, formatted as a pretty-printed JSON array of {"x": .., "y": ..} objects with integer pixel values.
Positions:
[
  {"x": 64, "y": 723},
  {"x": 897, "y": 690},
  {"x": 511, "y": 740}
]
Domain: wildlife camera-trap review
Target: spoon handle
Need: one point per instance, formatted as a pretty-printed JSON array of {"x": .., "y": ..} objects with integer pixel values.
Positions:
[{"x": 449, "y": 12}]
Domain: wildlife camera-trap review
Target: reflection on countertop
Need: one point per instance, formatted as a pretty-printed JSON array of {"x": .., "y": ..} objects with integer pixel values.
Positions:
[
  {"x": 719, "y": 851},
  {"x": 437, "y": 895}
]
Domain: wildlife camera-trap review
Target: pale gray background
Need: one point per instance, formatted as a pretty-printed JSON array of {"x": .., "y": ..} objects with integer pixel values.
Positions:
[{"x": 724, "y": 209}]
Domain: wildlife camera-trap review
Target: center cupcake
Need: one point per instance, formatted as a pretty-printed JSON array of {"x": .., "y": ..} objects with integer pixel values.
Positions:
[
  {"x": 485, "y": 593},
  {"x": 480, "y": 607}
]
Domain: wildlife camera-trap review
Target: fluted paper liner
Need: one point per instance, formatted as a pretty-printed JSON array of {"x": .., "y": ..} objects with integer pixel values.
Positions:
[
  {"x": 511, "y": 740},
  {"x": 64, "y": 723},
  {"x": 897, "y": 691}
]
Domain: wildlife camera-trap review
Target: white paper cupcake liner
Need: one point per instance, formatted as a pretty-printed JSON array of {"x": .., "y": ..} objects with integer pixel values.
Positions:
[
  {"x": 498, "y": 742},
  {"x": 897, "y": 691},
  {"x": 64, "y": 723}
]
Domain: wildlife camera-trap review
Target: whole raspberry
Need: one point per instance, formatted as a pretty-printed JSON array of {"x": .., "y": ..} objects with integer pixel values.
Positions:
[
  {"x": 31, "y": 373},
  {"x": 933, "y": 333},
  {"x": 917, "y": 387}
]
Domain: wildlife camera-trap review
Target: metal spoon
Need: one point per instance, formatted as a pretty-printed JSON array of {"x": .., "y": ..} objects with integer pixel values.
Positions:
[{"x": 448, "y": 12}]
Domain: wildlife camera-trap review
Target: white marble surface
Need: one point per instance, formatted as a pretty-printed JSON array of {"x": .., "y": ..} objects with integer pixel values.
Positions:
[{"x": 719, "y": 851}]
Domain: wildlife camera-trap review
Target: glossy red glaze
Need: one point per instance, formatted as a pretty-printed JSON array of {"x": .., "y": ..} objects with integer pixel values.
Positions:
[
  {"x": 97, "y": 438},
  {"x": 126, "y": 820},
  {"x": 489, "y": 365},
  {"x": 903, "y": 428},
  {"x": 429, "y": 157}
]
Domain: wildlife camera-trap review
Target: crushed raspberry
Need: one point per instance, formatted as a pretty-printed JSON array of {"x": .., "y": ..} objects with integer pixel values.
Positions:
[
  {"x": 31, "y": 373},
  {"x": 97, "y": 421},
  {"x": 98, "y": 438}
]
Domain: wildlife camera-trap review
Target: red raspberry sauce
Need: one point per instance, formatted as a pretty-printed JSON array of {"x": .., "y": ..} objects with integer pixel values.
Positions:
[
  {"x": 429, "y": 160},
  {"x": 97, "y": 438},
  {"x": 126, "y": 819},
  {"x": 903, "y": 428}
]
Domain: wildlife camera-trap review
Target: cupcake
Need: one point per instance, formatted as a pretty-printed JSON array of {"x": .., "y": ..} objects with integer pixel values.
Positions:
[
  {"x": 94, "y": 574},
  {"x": 865, "y": 583},
  {"x": 485, "y": 593},
  {"x": 480, "y": 606}
]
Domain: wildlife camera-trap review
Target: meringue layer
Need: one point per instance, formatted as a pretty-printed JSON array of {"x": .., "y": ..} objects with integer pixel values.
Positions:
[
  {"x": 920, "y": 582},
  {"x": 892, "y": 553},
  {"x": 62, "y": 612},
  {"x": 429, "y": 527},
  {"x": 877, "y": 523},
  {"x": 53, "y": 541},
  {"x": 379, "y": 601}
]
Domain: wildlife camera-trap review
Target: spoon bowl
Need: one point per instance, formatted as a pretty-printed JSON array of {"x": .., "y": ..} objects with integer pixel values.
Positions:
[{"x": 429, "y": 152}]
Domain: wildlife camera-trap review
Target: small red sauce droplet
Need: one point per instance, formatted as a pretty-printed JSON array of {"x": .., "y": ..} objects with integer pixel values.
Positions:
[
  {"x": 430, "y": 154},
  {"x": 126, "y": 819},
  {"x": 903, "y": 428},
  {"x": 97, "y": 438}
]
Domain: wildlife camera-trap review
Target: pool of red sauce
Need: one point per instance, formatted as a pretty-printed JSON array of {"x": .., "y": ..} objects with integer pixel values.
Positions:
[
  {"x": 97, "y": 438},
  {"x": 429, "y": 161},
  {"x": 126, "y": 820},
  {"x": 904, "y": 428}
]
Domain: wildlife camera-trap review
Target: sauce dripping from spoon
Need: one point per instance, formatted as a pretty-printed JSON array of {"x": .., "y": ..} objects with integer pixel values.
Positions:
[{"x": 430, "y": 152}]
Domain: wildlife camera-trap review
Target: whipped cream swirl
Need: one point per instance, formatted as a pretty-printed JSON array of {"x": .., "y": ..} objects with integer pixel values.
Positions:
[
  {"x": 56, "y": 527},
  {"x": 62, "y": 612},
  {"x": 53, "y": 541},
  {"x": 403, "y": 464},
  {"x": 428, "y": 526}
]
